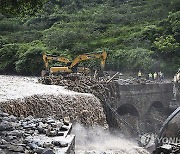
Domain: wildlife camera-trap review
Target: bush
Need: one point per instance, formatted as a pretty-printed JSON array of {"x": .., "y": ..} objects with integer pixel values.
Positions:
[
  {"x": 25, "y": 36},
  {"x": 10, "y": 25},
  {"x": 8, "y": 57},
  {"x": 151, "y": 32},
  {"x": 130, "y": 60},
  {"x": 3, "y": 41},
  {"x": 57, "y": 39},
  {"x": 139, "y": 59},
  {"x": 30, "y": 62},
  {"x": 167, "y": 44}
]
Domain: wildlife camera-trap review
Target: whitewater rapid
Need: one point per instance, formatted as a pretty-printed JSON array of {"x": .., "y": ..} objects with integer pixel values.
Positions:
[{"x": 14, "y": 87}]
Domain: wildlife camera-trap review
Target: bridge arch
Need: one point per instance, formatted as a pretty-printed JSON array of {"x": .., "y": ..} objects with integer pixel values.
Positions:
[
  {"x": 128, "y": 109},
  {"x": 156, "y": 114},
  {"x": 157, "y": 105}
]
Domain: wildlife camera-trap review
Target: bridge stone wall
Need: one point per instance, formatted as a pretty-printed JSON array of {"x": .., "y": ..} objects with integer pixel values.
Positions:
[{"x": 141, "y": 98}]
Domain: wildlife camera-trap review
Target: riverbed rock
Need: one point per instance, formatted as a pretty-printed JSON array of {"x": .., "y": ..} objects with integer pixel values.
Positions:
[
  {"x": 16, "y": 148},
  {"x": 48, "y": 151},
  {"x": 2, "y": 152},
  {"x": 5, "y": 126},
  {"x": 27, "y": 138}
]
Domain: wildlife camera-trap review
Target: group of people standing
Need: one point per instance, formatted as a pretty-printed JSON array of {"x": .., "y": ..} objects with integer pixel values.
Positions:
[
  {"x": 156, "y": 76},
  {"x": 153, "y": 76}
]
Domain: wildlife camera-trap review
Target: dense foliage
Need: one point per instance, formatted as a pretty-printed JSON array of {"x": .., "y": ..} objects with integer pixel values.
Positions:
[{"x": 137, "y": 34}]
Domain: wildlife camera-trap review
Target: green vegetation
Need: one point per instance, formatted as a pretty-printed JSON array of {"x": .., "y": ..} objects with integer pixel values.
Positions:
[{"x": 137, "y": 34}]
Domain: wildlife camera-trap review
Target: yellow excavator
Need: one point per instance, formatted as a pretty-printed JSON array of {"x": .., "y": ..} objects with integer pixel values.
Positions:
[
  {"x": 47, "y": 58},
  {"x": 72, "y": 67}
]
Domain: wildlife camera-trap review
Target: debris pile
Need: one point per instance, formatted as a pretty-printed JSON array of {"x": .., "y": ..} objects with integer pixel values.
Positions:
[
  {"x": 87, "y": 84},
  {"x": 40, "y": 136},
  {"x": 82, "y": 108}
]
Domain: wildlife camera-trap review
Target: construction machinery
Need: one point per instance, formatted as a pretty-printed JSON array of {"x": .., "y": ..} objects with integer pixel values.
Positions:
[
  {"x": 47, "y": 58},
  {"x": 72, "y": 67}
]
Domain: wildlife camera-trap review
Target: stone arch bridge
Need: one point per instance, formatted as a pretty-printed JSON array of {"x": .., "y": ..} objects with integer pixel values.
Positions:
[{"x": 143, "y": 106}]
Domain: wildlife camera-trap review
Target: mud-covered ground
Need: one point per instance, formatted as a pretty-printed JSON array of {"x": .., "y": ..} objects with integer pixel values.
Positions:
[{"x": 16, "y": 93}]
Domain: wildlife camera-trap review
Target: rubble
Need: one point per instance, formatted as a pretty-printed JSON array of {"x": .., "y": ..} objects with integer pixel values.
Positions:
[{"x": 30, "y": 135}]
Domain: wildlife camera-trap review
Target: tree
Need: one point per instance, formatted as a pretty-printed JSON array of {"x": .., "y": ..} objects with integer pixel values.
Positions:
[
  {"x": 20, "y": 7},
  {"x": 8, "y": 57}
]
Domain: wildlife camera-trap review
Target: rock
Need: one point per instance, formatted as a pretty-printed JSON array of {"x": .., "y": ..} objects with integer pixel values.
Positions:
[
  {"x": 48, "y": 145},
  {"x": 10, "y": 138},
  {"x": 40, "y": 130},
  {"x": 3, "y": 142},
  {"x": 16, "y": 125},
  {"x": 60, "y": 133},
  {"x": 32, "y": 145},
  {"x": 39, "y": 150},
  {"x": 2, "y": 152},
  {"x": 16, "y": 148},
  {"x": 40, "y": 144},
  {"x": 18, "y": 133},
  {"x": 29, "y": 118},
  {"x": 29, "y": 126},
  {"x": 59, "y": 124},
  {"x": 3, "y": 114},
  {"x": 3, "y": 146},
  {"x": 48, "y": 151},
  {"x": 22, "y": 136},
  {"x": 10, "y": 118},
  {"x": 63, "y": 144},
  {"x": 51, "y": 133},
  {"x": 56, "y": 143},
  {"x": 60, "y": 143},
  {"x": 41, "y": 125},
  {"x": 64, "y": 128},
  {"x": 6, "y": 126},
  {"x": 49, "y": 121}
]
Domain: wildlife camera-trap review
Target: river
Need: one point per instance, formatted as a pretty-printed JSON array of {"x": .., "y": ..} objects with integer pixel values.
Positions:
[{"x": 92, "y": 139}]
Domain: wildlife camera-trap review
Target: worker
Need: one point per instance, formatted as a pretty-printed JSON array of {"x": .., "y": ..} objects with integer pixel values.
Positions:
[
  {"x": 160, "y": 76},
  {"x": 155, "y": 75},
  {"x": 178, "y": 76},
  {"x": 139, "y": 74},
  {"x": 175, "y": 78},
  {"x": 150, "y": 76}
]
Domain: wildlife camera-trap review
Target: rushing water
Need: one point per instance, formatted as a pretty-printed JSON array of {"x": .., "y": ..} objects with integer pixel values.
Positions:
[
  {"x": 89, "y": 140},
  {"x": 96, "y": 140}
]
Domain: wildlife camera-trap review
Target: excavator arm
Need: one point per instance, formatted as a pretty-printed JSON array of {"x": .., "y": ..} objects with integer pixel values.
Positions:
[
  {"x": 99, "y": 55},
  {"x": 47, "y": 58}
]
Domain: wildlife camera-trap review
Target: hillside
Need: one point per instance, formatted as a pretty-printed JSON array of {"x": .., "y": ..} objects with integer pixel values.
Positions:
[{"x": 137, "y": 34}]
